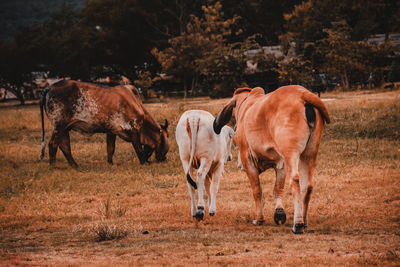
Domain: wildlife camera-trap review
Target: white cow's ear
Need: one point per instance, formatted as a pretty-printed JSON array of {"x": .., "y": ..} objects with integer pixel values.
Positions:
[{"x": 224, "y": 116}]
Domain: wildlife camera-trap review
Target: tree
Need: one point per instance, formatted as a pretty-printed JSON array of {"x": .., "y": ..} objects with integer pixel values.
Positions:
[
  {"x": 58, "y": 44},
  {"x": 262, "y": 18},
  {"x": 297, "y": 70},
  {"x": 351, "y": 60},
  {"x": 331, "y": 35},
  {"x": 144, "y": 82},
  {"x": 307, "y": 21},
  {"x": 18, "y": 60},
  {"x": 224, "y": 67},
  {"x": 201, "y": 38},
  {"x": 105, "y": 38},
  {"x": 394, "y": 72}
]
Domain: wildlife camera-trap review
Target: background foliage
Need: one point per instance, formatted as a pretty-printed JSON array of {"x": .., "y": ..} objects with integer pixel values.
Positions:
[{"x": 200, "y": 45}]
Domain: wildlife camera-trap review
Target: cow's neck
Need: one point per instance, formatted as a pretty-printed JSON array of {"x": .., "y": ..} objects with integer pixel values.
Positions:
[{"x": 243, "y": 97}]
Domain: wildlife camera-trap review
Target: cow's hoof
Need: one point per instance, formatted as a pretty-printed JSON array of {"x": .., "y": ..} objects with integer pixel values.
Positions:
[
  {"x": 298, "y": 228},
  {"x": 258, "y": 222},
  {"x": 279, "y": 216},
  {"x": 200, "y": 213},
  {"x": 211, "y": 213}
]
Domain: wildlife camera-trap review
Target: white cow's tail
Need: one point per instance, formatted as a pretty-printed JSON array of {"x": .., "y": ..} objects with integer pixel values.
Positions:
[{"x": 192, "y": 128}]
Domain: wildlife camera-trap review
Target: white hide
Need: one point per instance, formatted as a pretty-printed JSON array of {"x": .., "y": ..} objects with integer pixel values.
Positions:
[
  {"x": 86, "y": 108},
  {"x": 209, "y": 149}
]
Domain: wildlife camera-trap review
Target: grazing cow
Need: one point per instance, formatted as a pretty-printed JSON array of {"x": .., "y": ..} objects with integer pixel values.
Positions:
[
  {"x": 200, "y": 148},
  {"x": 280, "y": 130},
  {"x": 89, "y": 108}
]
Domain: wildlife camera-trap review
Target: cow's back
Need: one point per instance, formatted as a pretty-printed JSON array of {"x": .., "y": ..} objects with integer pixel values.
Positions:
[
  {"x": 90, "y": 108},
  {"x": 201, "y": 122},
  {"x": 272, "y": 120}
]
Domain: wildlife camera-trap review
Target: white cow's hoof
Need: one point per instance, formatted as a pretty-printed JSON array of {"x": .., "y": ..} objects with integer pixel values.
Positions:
[
  {"x": 298, "y": 228},
  {"x": 258, "y": 222},
  {"x": 200, "y": 213}
]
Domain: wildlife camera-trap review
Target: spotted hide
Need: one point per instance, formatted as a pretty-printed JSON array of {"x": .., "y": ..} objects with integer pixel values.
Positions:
[
  {"x": 89, "y": 108},
  {"x": 280, "y": 130}
]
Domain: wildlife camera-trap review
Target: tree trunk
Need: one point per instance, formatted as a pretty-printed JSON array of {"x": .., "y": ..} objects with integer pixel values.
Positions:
[
  {"x": 20, "y": 96},
  {"x": 345, "y": 79},
  {"x": 18, "y": 93},
  {"x": 193, "y": 85},
  {"x": 184, "y": 88}
]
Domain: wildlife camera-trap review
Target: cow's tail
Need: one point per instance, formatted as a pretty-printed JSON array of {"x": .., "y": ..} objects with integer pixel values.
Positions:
[
  {"x": 315, "y": 101},
  {"x": 43, "y": 105},
  {"x": 192, "y": 128}
]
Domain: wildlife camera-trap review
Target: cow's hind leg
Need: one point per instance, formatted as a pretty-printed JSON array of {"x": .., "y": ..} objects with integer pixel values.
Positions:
[
  {"x": 307, "y": 166},
  {"x": 205, "y": 165},
  {"x": 253, "y": 175},
  {"x": 291, "y": 168},
  {"x": 191, "y": 190},
  {"x": 65, "y": 147},
  {"x": 110, "y": 147},
  {"x": 254, "y": 179},
  {"x": 216, "y": 175},
  {"x": 280, "y": 215},
  {"x": 207, "y": 183},
  {"x": 53, "y": 146},
  {"x": 192, "y": 194}
]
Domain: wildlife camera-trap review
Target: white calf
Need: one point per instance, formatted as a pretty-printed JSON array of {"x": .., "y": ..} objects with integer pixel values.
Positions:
[{"x": 200, "y": 148}]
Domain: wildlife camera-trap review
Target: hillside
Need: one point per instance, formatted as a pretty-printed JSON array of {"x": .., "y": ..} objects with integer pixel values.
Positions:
[{"x": 15, "y": 14}]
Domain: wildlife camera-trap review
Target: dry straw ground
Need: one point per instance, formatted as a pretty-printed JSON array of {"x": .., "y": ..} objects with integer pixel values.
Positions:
[{"x": 129, "y": 214}]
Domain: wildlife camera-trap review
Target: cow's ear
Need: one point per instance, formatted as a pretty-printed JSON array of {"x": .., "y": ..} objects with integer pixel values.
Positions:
[{"x": 224, "y": 116}]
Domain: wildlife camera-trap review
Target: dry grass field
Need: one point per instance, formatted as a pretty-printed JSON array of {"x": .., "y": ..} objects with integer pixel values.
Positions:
[{"x": 132, "y": 214}]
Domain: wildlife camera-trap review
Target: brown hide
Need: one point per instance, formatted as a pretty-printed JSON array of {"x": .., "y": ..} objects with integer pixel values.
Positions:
[
  {"x": 277, "y": 130},
  {"x": 116, "y": 111}
]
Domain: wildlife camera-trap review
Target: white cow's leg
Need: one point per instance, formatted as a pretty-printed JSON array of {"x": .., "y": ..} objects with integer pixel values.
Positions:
[
  {"x": 201, "y": 175},
  {"x": 306, "y": 172},
  {"x": 212, "y": 208},
  {"x": 192, "y": 192},
  {"x": 207, "y": 183},
  {"x": 291, "y": 165},
  {"x": 280, "y": 215}
]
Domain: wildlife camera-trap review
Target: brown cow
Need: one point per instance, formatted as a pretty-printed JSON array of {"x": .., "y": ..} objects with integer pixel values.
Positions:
[
  {"x": 89, "y": 108},
  {"x": 280, "y": 130}
]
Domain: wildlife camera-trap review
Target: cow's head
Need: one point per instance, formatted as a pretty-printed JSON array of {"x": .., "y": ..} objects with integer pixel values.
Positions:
[
  {"x": 228, "y": 133},
  {"x": 162, "y": 146},
  {"x": 226, "y": 113},
  {"x": 147, "y": 152},
  {"x": 154, "y": 138}
]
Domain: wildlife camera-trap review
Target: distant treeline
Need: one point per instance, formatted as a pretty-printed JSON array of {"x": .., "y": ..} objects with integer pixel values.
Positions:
[
  {"x": 205, "y": 47},
  {"x": 15, "y": 14}
]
